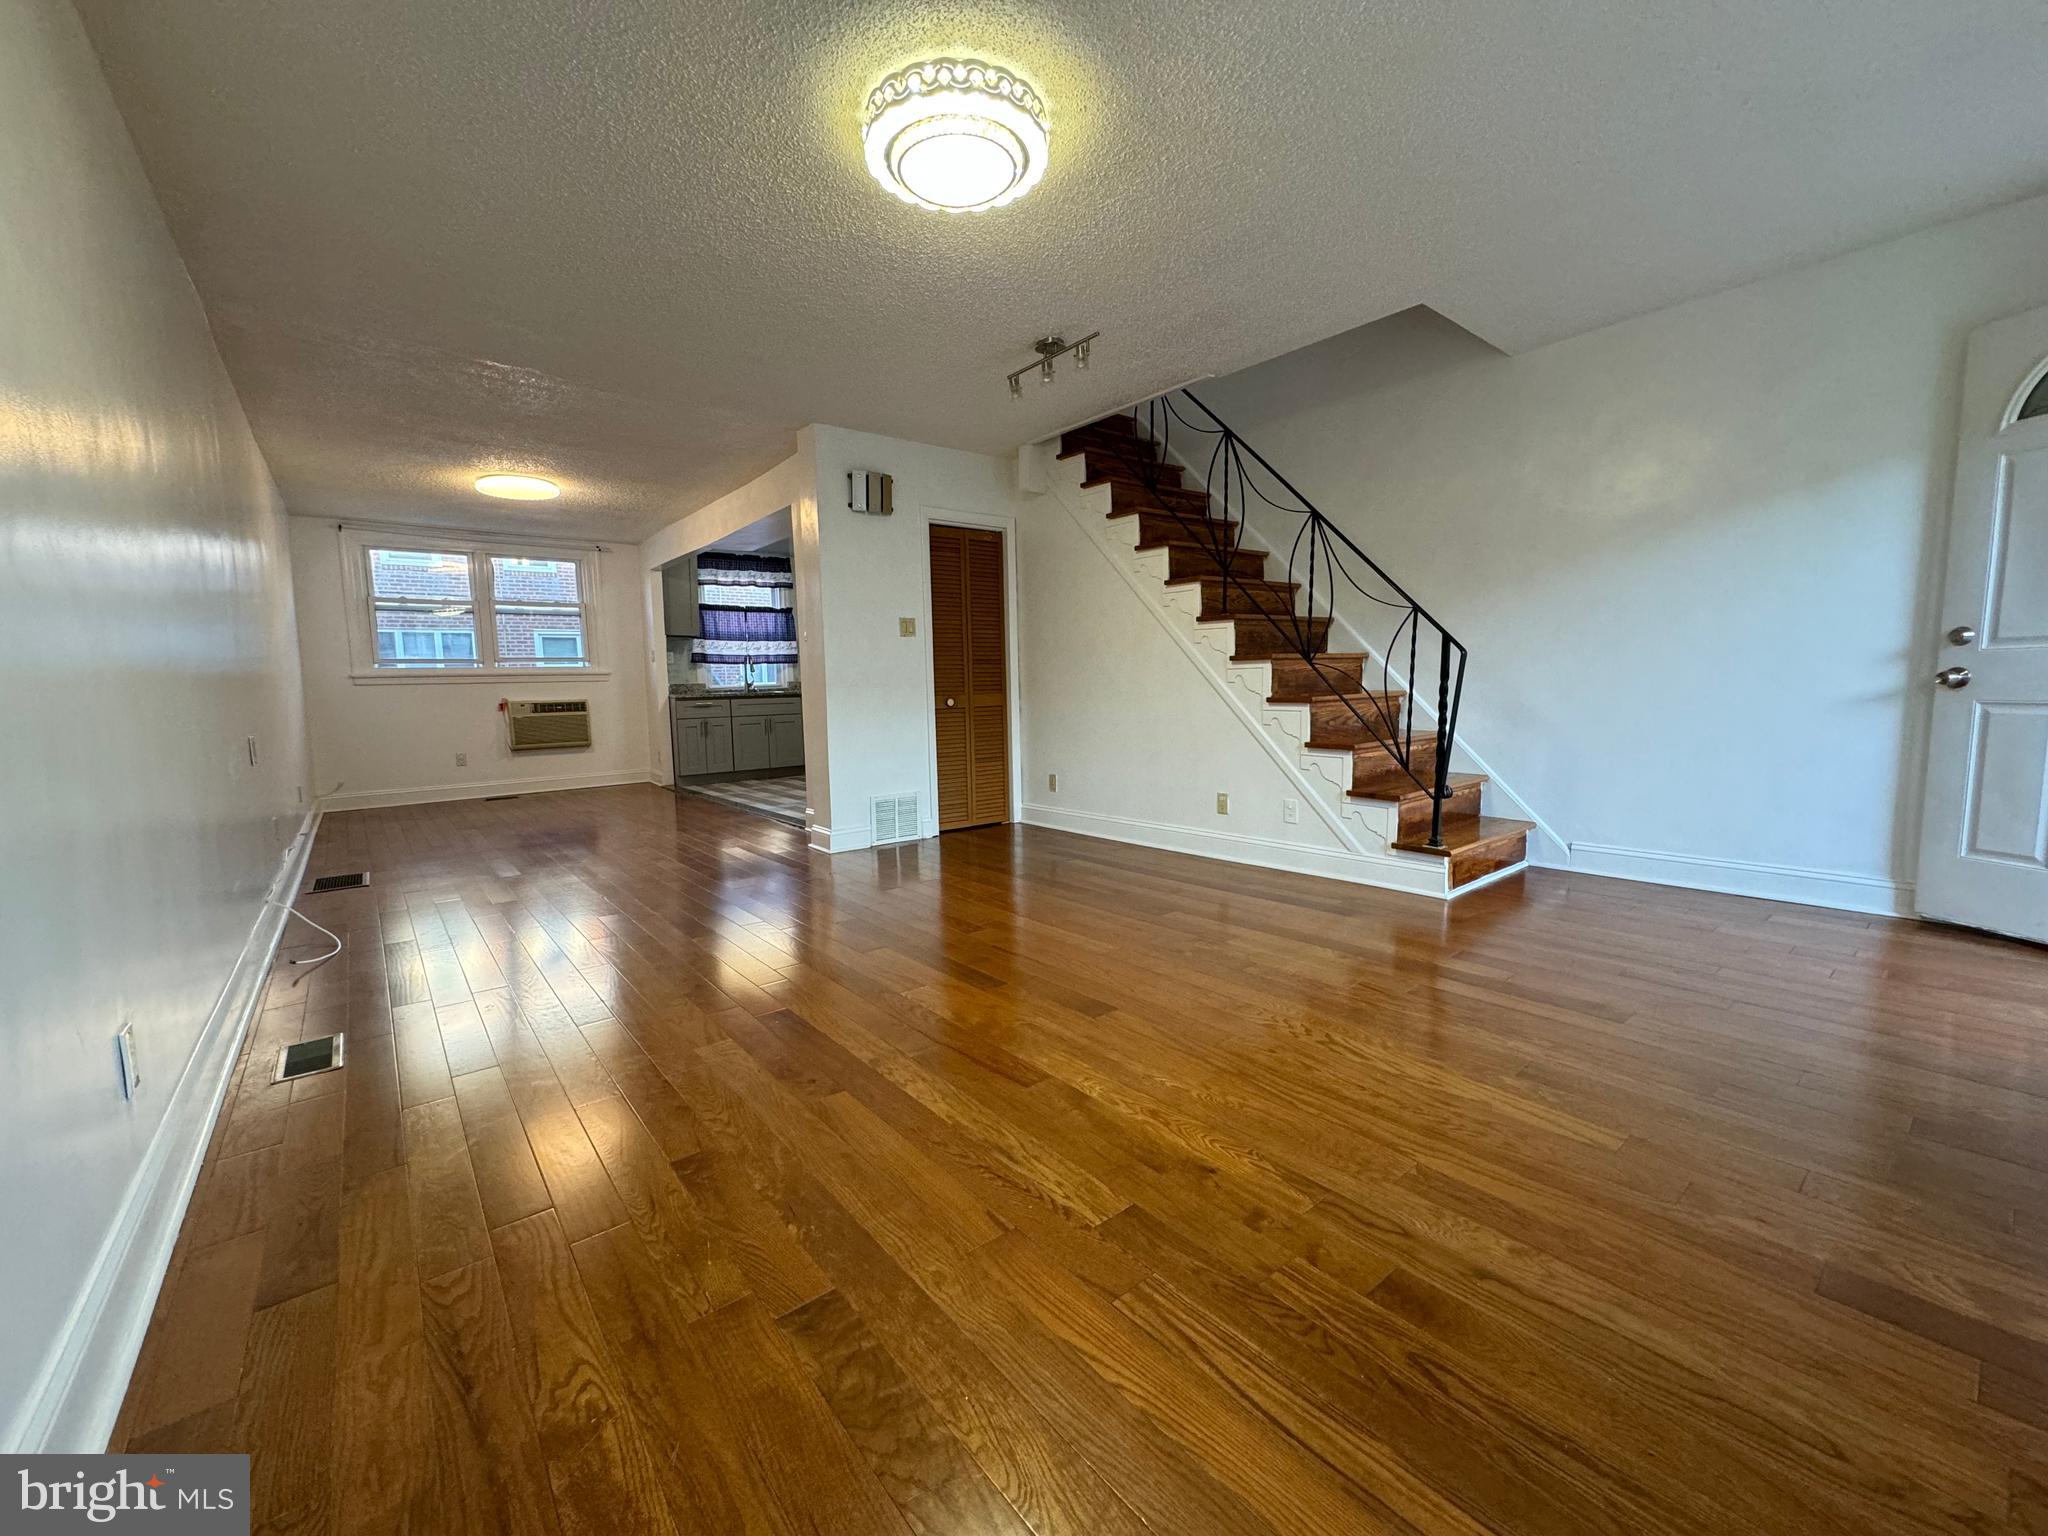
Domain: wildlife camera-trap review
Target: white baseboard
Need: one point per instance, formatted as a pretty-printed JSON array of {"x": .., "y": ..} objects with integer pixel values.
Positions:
[
  {"x": 1415, "y": 877},
  {"x": 75, "y": 1399},
  {"x": 433, "y": 794},
  {"x": 853, "y": 839},
  {"x": 841, "y": 839},
  {"x": 1740, "y": 877}
]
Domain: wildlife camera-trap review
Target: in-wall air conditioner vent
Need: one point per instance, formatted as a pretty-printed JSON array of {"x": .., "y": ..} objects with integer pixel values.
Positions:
[
  {"x": 896, "y": 820},
  {"x": 537, "y": 725},
  {"x": 337, "y": 883}
]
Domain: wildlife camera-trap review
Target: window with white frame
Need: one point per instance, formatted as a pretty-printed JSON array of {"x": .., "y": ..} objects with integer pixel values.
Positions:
[{"x": 472, "y": 608}]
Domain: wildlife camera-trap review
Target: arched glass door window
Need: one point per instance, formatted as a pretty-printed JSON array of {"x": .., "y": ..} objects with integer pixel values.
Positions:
[{"x": 2036, "y": 403}]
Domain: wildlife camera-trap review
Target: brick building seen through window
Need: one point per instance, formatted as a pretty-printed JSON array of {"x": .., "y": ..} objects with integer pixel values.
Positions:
[{"x": 424, "y": 610}]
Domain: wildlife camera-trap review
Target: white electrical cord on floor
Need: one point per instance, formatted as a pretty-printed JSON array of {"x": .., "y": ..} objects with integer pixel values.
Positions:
[{"x": 315, "y": 959}]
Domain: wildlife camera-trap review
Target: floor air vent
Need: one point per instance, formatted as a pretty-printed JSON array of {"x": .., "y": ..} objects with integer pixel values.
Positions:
[
  {"x": 895, "y": 819},
  {"x": 489, "y": 798},
  {"x": 338, "y": 883},
  {"x": 307, "y": 1057}
]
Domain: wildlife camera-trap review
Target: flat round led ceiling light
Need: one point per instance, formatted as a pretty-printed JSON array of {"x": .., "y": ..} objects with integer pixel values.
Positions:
[
  {"x": 955, "y": 135},
  {"x": 518, "y": 487}
]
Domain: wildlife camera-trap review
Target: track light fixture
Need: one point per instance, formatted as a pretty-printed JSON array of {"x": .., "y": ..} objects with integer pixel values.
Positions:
[{"x": 1047, "y": 349}]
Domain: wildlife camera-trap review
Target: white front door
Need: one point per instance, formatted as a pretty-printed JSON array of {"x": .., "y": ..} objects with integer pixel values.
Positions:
[{"x": 1984, "y": 845}]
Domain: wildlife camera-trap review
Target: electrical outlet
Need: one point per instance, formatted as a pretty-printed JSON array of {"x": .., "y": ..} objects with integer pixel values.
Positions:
[
  {"x": 462, "y": 759},
  {"x": 1290, "y": 811},
  {"x": 124, "y": 1055},
  {"x": 906, "y": 627},
  {"x": 1052, "y": 782},
  {"x": 252, "y": 751},
  {"x": 1223, "y": 805}
]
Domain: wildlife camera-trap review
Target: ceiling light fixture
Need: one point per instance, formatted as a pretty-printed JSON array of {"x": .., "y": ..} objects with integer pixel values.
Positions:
[
  {"x": 518, "y": 487},
  {"x": 1047, "y": 349},
  {"x": 955, "y": 135}
]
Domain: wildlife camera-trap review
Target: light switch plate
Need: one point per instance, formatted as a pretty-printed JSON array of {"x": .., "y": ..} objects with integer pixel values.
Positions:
[{"x": 906, "y": 627}]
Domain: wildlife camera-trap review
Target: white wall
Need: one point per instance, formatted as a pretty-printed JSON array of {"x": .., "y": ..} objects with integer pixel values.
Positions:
[
  {"x": 867, "y": 687},
  {"x": 146, "y": 612},
  {"x": 395, "y": 743},
  {"x": 1137, "y": 733},
  {"x": 875, "y": 572},
  {"x": 1694, "y": 554}
]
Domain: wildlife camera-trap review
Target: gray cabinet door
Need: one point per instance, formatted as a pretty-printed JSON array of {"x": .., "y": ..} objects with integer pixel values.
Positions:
[
  {"x": 749, "y": 742},
  {"x": 785, "y": 741},
  {"x": 691, "y": 753},
  {"x": 718, "y": 746}
]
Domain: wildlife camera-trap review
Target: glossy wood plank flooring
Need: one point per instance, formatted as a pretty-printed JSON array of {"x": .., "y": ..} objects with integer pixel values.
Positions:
[{"x": 681, "y": 1180}]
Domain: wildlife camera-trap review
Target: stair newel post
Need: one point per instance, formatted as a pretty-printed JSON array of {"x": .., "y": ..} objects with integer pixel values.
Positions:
[{"x": 1443, "y": 741}]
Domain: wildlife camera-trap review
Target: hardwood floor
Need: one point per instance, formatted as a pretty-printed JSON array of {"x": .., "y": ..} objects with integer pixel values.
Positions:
[{"x": 681, "y": 1180}]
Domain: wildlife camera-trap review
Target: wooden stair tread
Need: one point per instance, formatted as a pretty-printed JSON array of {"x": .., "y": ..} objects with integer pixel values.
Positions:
[
  {"x": 1187, "y": 520},
  {"x": 1239, "y": 580},
  {"x": 1333, "y": 661},
  {"x": 1467, "y": 834},
  {"x": 1413, "y": 791}
]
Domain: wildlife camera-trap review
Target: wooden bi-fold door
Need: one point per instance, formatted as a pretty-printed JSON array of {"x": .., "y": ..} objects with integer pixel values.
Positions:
[{"x": 970, "y": 677}]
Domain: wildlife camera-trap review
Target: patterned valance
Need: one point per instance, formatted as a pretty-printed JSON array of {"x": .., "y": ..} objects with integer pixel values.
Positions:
[{"x": 720, "y": 568}]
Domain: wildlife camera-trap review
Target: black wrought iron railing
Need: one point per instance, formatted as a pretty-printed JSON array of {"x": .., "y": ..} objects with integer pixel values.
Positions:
[{"x": 1324, "y": 561}]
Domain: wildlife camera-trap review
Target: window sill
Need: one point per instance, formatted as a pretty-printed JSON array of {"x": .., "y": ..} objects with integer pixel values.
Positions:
[{"x": 388, "y": 675}]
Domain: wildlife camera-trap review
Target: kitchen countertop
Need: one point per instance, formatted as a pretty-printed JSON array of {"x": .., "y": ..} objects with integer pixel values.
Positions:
[{"x": 685, "y": 691}]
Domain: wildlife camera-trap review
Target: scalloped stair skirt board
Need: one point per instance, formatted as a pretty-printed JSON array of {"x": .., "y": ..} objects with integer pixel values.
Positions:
[{"x": 1377, "y": 808}]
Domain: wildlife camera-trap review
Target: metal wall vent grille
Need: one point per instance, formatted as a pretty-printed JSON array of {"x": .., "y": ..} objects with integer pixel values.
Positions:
[
  {"x": 896, "y": 820},
  {"x": 338, "y": 883}
]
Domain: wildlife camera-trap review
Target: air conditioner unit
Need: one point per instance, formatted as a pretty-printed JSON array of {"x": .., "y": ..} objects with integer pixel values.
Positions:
[{"x": 539, "y": 724}]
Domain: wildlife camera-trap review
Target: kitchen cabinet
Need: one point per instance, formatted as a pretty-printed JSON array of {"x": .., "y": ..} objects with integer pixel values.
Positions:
[
  {"x": 702, "y": 731},
  {"x": 679, "y": 599},
  {"x": 741, "y": 734},
  {"x": 689, "y": 749},
  {"x": 749, "y": 742}
]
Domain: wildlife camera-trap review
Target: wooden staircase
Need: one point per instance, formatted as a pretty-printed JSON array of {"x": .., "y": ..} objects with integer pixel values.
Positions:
[{"x": 1271, "y": 628}]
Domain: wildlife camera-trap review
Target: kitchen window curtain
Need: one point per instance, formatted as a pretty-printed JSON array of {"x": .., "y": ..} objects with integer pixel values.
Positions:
[{"x": 744, "y": 607}]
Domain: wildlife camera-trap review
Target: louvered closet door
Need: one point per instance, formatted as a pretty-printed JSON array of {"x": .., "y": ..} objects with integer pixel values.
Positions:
[{"x": 970, "y": 700}]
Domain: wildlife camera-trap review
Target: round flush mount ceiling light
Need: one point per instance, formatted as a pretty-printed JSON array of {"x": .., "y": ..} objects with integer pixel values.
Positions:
[
  {"x": 955, "y": 135},
  {"x": 518, "y": 487}
]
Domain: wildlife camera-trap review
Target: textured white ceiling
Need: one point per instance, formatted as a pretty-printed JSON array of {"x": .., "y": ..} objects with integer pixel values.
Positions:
[{"x": 631, "y": 245}]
